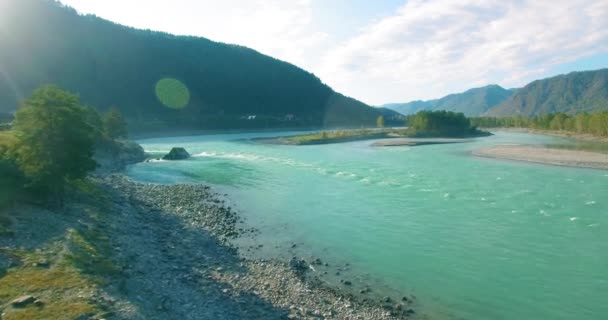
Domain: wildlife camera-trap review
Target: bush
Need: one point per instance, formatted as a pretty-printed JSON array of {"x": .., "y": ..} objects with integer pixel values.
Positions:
[
  {"x": 55, "y": 141},
  {"x": 440, "y": 123}
]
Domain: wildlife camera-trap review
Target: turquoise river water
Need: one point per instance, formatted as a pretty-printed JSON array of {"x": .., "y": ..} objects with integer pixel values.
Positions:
[{"x": 471, "y": 238}]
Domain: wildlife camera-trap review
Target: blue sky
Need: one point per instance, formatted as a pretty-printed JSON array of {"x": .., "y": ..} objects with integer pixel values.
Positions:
[{"x": 392, "y": 50}]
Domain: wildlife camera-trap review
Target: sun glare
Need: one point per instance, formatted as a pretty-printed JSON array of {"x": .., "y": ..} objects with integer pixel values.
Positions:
[{"x": 172, "y": 93}]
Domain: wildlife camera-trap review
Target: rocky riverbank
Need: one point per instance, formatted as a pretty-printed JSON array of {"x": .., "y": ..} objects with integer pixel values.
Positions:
[
  {"x": 182, "y": 234},
  {"x": 126, "y": 250},
  {"x": 411, "y": 142}
]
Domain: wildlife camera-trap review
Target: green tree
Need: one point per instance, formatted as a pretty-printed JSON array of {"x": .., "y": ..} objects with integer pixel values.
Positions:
[
  {"x": 55, "y": 142},
  {"x": 11, "y": 179},
  {"x": 114, "y": 124},
  {"x": 440, "y": 123},
  {"x": 380, "y": 122},
  {"x": 558, "y": 122}
]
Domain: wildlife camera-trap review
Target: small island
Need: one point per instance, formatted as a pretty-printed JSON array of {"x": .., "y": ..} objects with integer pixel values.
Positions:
[{"x": 424, "y": 127}]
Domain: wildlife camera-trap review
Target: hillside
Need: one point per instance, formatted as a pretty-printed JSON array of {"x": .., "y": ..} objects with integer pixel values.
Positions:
[
  {"x": 410, "y": 107},
  {"x": 217, "y": 85},
  {"x": 570, "y": 93},
  {"x": 472, "y": 102}
]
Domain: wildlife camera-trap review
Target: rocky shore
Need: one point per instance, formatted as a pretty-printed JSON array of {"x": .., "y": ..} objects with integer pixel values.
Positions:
[
  {"x": 174, "y": 241},
  {"x": 125, "y": 250}
]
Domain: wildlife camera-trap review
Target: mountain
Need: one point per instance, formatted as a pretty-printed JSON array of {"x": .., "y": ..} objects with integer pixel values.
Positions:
[
  {"x": 569, "y": 93},
  {"x": 218, "y": 85},
  {"x": 410, "y": 107},
  {"x": 472, "y": 102}
]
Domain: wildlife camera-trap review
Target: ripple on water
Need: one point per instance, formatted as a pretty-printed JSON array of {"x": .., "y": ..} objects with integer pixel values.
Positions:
[{"x": 443, "y": 250}]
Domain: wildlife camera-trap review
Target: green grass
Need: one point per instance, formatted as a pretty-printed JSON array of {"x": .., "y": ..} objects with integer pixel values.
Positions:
[
  {"x": 89, "y": 252},
  {"x": 90, "y": 189},
  {"x": 341, "y": 136},
  {"x": 7, "y": 138}
]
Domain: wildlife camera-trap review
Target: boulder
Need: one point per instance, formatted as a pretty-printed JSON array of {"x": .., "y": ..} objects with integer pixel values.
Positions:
[
  {"x": 22, "y": 301},
  {"x": 298, "y": 266},
  {"x": 114, "y": 156},
  {"x": 177, "y": 153}
]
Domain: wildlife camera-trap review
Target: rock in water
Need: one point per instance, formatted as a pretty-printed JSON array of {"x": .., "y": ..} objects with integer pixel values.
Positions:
[
  {"x": 177, "y": 154},
  {"x": 298, "y": 266}
]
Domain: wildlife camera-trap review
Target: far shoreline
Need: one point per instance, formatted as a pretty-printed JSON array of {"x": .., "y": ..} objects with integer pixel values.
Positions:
[
  {"x": 561, "y": 134},
  {"x": 545, "y": 155},
  {"x": 204, "y": 132}
]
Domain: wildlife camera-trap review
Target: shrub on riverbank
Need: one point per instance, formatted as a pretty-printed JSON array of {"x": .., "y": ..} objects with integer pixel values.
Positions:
[
  {"x": 446, "y": 124},
  {"x": 52, "y": 142}
]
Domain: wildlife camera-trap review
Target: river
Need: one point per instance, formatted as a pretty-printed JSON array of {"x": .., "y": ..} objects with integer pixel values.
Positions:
[{"x": 471, "y": 238}]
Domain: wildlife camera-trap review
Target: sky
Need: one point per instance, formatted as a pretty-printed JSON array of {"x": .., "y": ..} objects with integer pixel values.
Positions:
[{"x": 392, "y": 50}]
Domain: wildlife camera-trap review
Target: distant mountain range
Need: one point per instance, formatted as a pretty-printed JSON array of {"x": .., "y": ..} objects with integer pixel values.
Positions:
[
  {"x": 472, "y": 102},
  {"x": 570, "y": 93},
  {"x": 223, "y": 86}
]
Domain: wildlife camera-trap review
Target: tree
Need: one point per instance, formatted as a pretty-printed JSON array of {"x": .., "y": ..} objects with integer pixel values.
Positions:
[
  {"x": 55, "y": 142},
  {"x": 114, "y": 124},
  {"x": 440, "y": 123},
  {"x": 11, "y": 179},
  {"x": 380, "y": 122}
]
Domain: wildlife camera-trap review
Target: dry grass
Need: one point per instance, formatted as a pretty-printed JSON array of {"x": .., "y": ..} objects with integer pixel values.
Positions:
[
  {"x": 77, "y": 268},
  {"x": 79, "y": 265},
  {"x": 59, "y": 287}
]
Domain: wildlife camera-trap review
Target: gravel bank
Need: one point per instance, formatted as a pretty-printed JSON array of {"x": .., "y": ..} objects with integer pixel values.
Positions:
[
  {"x": 539, "y": 154},
  {"x": 416, "y": 142},
  {"x": 174, "y": 245}
]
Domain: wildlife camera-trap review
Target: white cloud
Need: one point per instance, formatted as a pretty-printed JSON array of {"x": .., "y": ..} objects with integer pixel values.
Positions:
[
  {"x": 282, "y": 29},
  {"x": 430, "y": 48}
]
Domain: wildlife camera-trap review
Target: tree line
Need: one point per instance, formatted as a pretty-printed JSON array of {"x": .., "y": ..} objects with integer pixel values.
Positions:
[
  {"x": 440, "y": 124},
  {"x": 586, "y": 123},
  {"x": 51, "y": 143}
]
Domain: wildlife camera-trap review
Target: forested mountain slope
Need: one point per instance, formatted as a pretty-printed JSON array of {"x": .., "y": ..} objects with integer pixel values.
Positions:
[
  {"x": 570, "y": 93},
  {"x": 472, "y": 102},
  {"x": 212, "y": 85}
]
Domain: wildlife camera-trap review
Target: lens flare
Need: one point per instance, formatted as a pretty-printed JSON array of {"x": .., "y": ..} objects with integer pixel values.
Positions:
[{"x": 172, "y": 93}]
